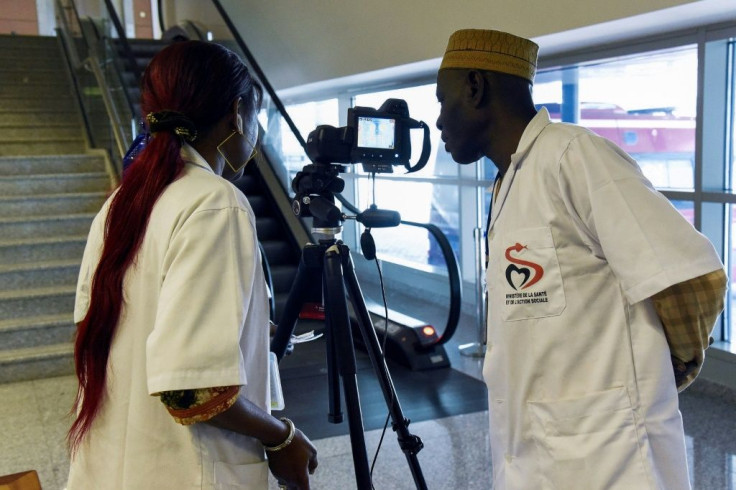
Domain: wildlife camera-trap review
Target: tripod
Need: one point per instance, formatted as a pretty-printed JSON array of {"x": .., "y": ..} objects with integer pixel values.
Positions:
[{"x": 329, "y": 264}]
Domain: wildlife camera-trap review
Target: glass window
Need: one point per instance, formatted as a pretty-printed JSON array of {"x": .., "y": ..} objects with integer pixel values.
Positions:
[
  {"x": 731, "y": 117},
  {"x": 402, "y": 244},
  {"x": 423, "y": 106},
  {"x": 431, "y": 195},
  {"x": 633, "y": 102},
  {"x": 686, "y": 209},
  {"x": 730, "y": 332},
  {"x": 280, "y": 139}
]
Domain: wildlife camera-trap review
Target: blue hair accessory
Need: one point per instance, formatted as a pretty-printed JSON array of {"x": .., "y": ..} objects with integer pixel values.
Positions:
[{"x": 139, "y": 143}]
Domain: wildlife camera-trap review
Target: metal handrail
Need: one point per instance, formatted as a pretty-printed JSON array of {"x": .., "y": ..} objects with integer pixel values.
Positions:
[
  {"x": 92, "y": 63},
  {"x": 65, "y": 30}
]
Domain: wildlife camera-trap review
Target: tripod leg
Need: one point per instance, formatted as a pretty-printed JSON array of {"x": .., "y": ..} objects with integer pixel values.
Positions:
[
  {"x": 334, "y": 414},
  {"x": 339, "y": 321},
  {"x": 410, "y": 444},
  {"x": 308, "y": 273}
]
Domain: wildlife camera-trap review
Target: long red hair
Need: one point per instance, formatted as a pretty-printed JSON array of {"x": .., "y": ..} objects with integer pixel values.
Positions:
[{"x": 200, "y": 80}]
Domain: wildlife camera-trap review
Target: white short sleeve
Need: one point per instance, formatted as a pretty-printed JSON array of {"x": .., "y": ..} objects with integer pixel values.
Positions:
[
  {"x": 90, "y": 259},
  {"x": 646, "y": 241},
  {"x": 208, "y": 277}
]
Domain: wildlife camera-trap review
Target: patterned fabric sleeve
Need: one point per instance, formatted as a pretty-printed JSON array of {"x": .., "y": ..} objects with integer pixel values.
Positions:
[
  {"x": 198, "y": 405},
  {"x": 688, "y": 311}
]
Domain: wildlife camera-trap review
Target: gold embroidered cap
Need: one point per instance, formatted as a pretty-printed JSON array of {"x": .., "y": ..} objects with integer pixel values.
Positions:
[{"x": 491, "y": 50}]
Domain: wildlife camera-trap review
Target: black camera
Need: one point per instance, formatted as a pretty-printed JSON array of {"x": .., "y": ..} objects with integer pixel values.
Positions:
[{"x": 377, "y": 138}]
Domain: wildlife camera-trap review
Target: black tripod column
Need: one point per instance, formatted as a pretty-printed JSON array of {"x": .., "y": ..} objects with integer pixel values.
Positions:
[
  {"x": 308, "y": 274},
  {"x": 338, "y": 321}
]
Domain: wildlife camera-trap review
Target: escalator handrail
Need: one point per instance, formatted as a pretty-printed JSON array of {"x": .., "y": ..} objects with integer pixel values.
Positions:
[
  {"x": 454, "y": 279},
  {"x": 261, "y": 76},
  {"x": 269, "y": 280},
  {"x": 160, "y": 11},
  {"x": 123, "y": 38}
]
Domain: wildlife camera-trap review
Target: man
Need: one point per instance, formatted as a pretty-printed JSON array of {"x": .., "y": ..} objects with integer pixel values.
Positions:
[{"x": 597, "y": 287}]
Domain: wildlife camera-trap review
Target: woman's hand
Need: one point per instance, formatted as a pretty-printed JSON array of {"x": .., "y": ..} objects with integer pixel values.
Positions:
[{"x": 293, "y": 464}]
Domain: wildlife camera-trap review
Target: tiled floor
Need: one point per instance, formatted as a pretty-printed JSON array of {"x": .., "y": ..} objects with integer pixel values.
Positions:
[
  {"x": 456, "y": 454},
  {"x": 33, "y": 421}
]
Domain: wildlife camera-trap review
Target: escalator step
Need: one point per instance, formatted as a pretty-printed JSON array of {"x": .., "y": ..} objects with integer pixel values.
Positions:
[
  {"x": 279, "y": 252},
  {"x": 260, "y": 205},
  {"x": 283, "y": 277},
  {"x": 268, "y": 228}
]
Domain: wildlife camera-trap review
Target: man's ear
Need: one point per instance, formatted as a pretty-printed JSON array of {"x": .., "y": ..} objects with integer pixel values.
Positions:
[{"x": 477, "y": 87}]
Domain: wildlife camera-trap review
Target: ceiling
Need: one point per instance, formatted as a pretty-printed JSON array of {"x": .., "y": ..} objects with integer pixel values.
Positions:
[{"x": 300, "y": 43}]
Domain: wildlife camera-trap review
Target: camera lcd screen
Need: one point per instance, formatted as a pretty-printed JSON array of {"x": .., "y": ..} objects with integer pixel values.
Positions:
[{"x": 376, "y": 132}]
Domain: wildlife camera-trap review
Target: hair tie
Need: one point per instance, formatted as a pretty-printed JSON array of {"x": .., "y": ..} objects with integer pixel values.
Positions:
[{"x": 172, "y": 121}]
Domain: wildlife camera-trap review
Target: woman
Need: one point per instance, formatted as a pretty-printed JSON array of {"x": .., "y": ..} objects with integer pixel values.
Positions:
[{"x": 172, "y": 311}]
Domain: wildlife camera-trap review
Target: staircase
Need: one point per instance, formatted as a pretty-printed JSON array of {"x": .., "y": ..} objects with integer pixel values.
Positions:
[{"x": 51, "y": 186}]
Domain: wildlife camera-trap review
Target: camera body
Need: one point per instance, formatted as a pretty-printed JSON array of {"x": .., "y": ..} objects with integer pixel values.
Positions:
[{"x": 377, "y": 138}]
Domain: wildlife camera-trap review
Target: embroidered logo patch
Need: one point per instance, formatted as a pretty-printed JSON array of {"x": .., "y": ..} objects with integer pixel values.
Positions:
[{"x": 521, "y": 274}]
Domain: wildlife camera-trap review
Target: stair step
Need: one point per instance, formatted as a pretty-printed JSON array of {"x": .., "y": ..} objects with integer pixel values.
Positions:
[
  {"x": 39, "y": 274},
  {"x": 43, "y": 148},
  {"x": 36, "y": 331},
  {"x": 35, "y": 60},
  {"x": 34, "y": 134},
  {"x": 48, "y": 105},
  {"x": 29, "y": 90},
  {"x": 53, "y": 184},
  {"x": 50, "y": 164},
  {"x": 36, "y": 363},
  {"x": 27, "y": 41},
  {"x": 36, "y": 76},
  {"x": 45, "y": 204},
  {"x": 22, "y": 303},
  {"x": 48, "y": 48},
  {"x": 37, "y": 249},
  {"x": 20, "y": 119},
  {"x": 45, "y": 226},
  {"x": 15, "y": 57}
]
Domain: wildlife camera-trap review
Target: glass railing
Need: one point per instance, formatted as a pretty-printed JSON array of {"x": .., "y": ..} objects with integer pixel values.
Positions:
[{"x": 98, "y": 81}]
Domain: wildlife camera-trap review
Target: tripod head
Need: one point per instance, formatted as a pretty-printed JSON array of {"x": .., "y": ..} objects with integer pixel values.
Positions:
[{"x": 315, "y": 187}]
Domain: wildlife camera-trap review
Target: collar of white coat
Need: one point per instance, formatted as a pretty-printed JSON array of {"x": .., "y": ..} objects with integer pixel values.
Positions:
[
  {"x": 540, "y": 121},
  {"x": 190, "y": 155}
]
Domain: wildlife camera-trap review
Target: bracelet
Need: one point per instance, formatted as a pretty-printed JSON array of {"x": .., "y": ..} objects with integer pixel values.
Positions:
[{"x": 289, "y": 438}]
